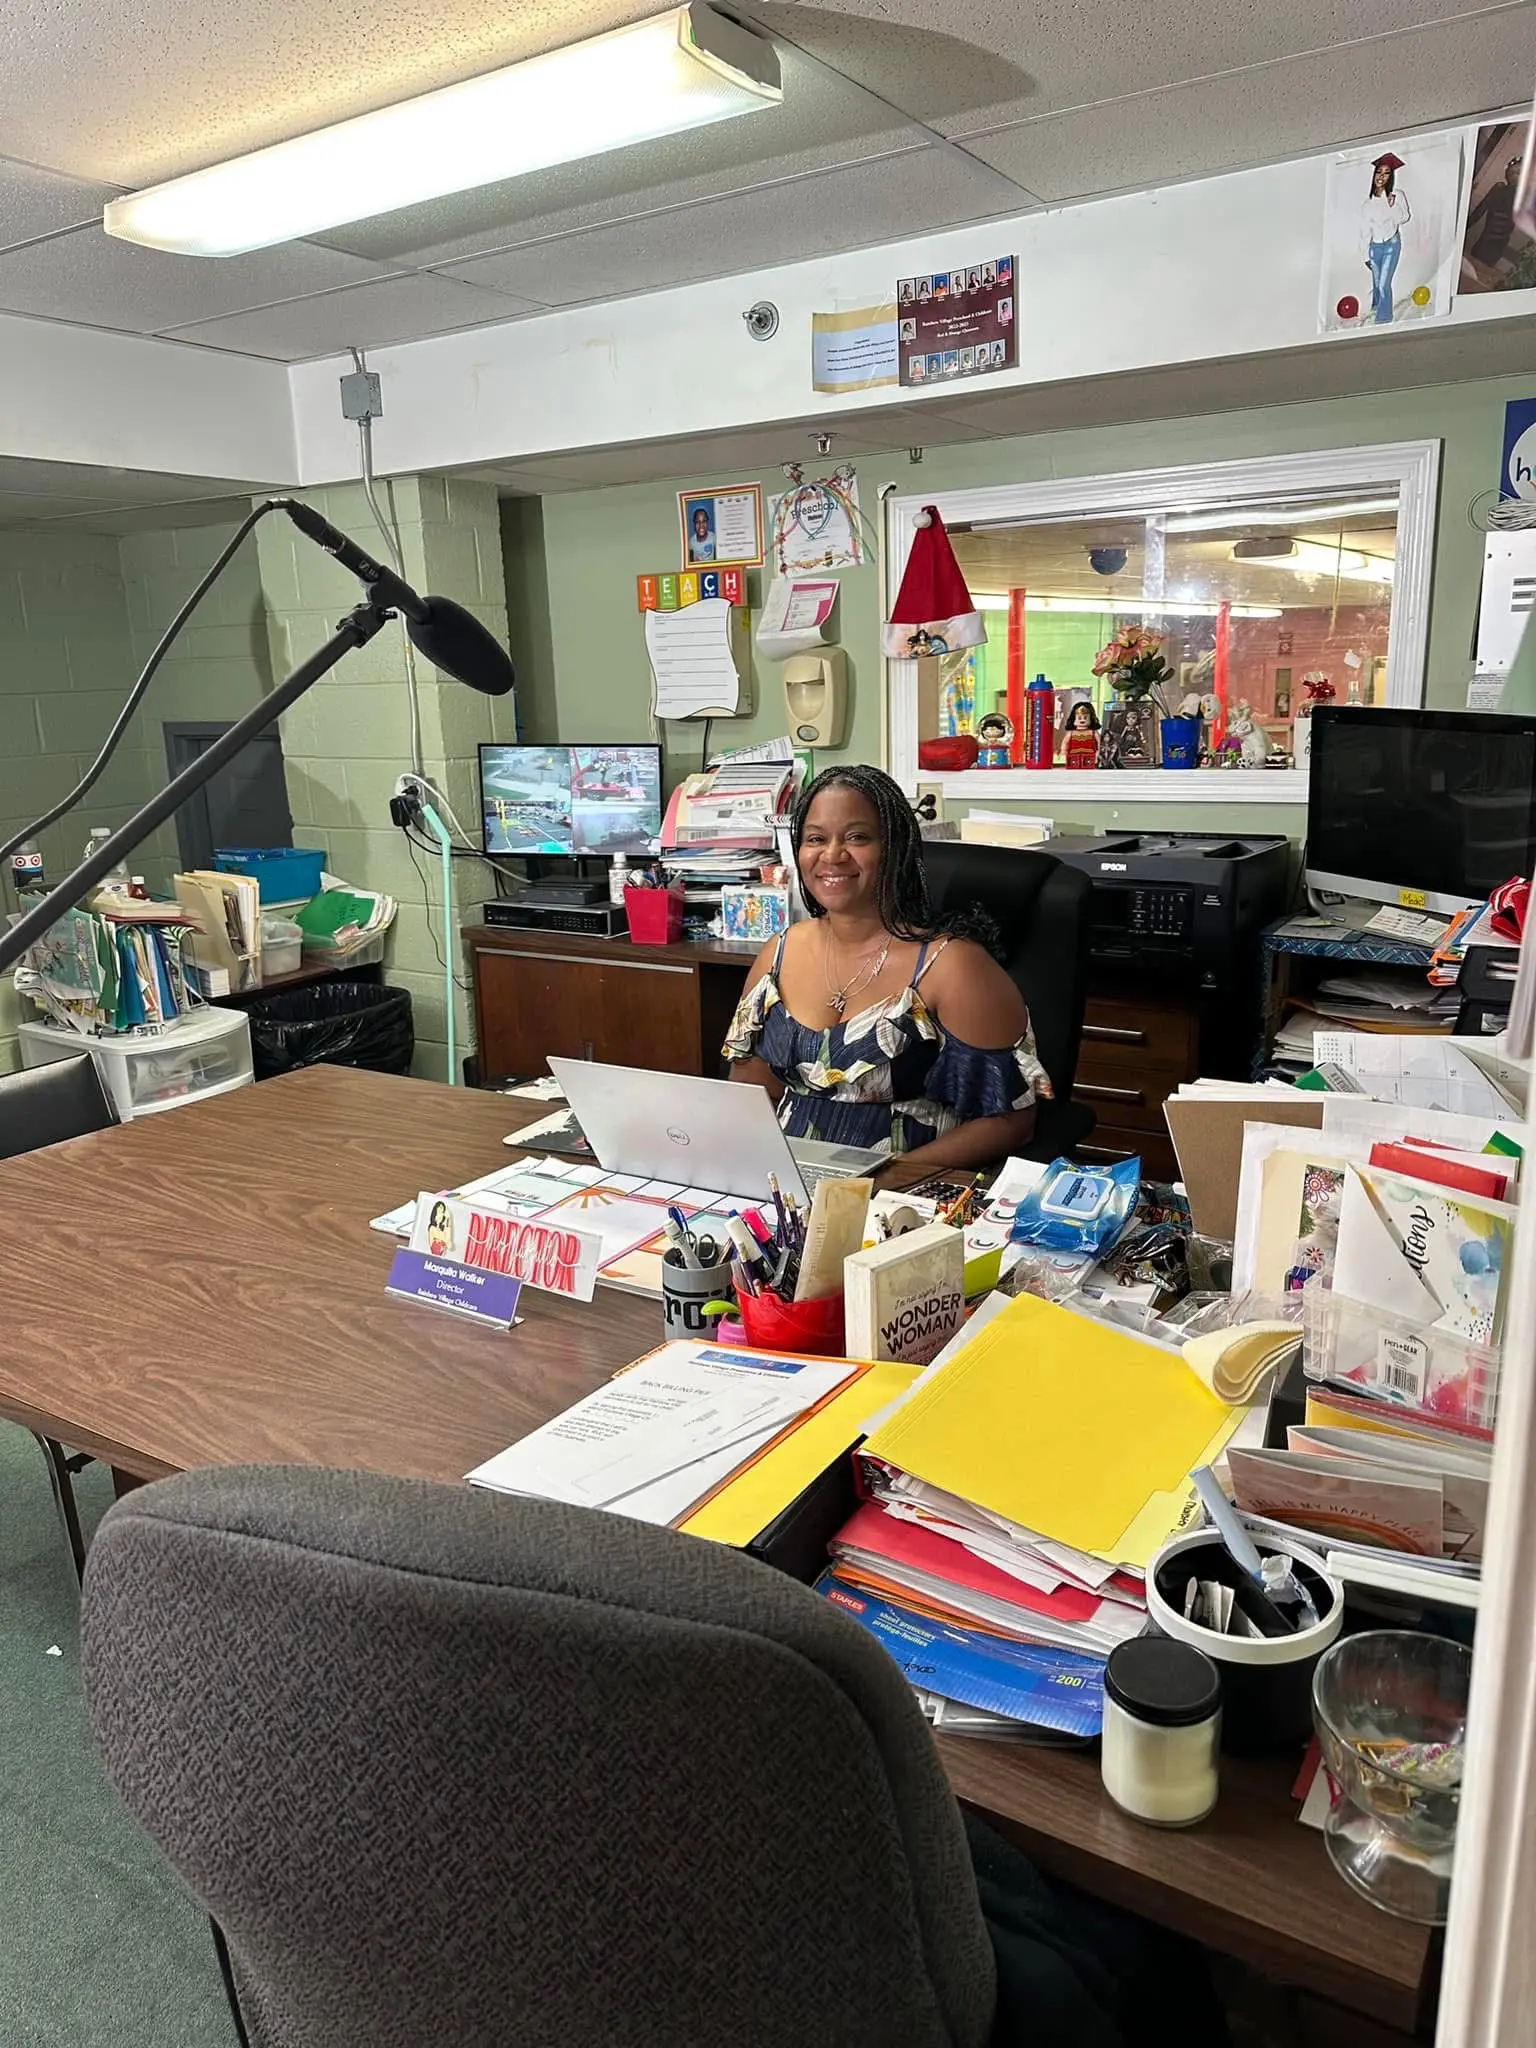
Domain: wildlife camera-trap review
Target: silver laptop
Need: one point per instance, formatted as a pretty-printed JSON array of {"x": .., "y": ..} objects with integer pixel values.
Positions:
[{"x": 719, "y": 1135}]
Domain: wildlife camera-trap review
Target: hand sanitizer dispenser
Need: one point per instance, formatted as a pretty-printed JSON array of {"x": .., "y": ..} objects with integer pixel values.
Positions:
[{"x": 816, "y": 697}]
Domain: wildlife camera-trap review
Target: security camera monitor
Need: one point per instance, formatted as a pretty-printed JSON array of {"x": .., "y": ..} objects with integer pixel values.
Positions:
[{"x": 602, "y": 799}]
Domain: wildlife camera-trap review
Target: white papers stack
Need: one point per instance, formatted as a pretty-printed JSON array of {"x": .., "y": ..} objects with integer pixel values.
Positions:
[
  {"x": 1420, "y": 1073},
  {"x": 657, "y": 1439}
]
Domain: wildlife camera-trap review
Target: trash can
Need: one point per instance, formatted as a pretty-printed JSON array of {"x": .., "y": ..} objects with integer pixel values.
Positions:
[{"x": 335, "y": 1023}]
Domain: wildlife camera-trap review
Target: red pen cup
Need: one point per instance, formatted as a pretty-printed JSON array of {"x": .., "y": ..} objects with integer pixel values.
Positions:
[
  {"x": 811, "y": 1326},
  {"x": 654, "y": 916}
]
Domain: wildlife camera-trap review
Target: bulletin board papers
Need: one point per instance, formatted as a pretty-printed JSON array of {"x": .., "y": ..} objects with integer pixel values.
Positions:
[
  {"x": 721, "y": 526},
  {"x": 795, "y": 614},
  {"x": 855, "y": 350},
  {"x": 957, "y": 323},
  {"x": 695, "y": 660},
  {"x": 815, "y": 524}
]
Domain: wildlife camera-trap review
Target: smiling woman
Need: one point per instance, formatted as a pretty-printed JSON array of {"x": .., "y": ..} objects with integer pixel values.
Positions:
[{"x": 876, "y": 1024}]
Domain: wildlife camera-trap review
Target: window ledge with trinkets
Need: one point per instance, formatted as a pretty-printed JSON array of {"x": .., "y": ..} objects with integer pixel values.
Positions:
[{"x": 1160, "y": 636}]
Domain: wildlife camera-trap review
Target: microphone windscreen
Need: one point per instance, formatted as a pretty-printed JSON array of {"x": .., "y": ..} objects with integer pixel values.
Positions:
[{"x": 454, "y": 639}]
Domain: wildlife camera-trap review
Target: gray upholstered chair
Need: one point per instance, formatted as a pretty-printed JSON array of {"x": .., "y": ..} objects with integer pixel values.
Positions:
[{"x": 452, "y": 1768}]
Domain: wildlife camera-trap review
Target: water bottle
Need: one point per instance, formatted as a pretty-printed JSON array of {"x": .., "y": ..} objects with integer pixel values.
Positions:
[{"x": 116, "y": 879}]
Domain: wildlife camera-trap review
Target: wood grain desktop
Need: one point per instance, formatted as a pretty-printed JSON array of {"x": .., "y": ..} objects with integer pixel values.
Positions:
[{"x": 202, "y": 1287}]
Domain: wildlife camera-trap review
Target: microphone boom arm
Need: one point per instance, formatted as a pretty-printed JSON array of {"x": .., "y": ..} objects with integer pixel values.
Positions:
[{"x": 356, "y": 630}]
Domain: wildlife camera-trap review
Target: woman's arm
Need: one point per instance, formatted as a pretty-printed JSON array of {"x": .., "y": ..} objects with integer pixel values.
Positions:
[
  {"x": 976, "y": 1002},
  {"x": 752, "y": 1068}
]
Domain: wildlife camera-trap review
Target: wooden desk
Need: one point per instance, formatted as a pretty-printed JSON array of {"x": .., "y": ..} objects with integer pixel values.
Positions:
[
  {"x": 204, "y": 1289},
  {"x": 540, "y": 992}
]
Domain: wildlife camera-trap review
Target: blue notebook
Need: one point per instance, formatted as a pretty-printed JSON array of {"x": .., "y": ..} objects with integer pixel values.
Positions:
[{"x": 1049, "y": 1688}]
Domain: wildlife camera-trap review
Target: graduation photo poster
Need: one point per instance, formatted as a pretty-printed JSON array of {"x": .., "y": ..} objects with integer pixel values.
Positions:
[
  {"x": 1391, "y": 236},
  {"x": 722, "y": 528}
]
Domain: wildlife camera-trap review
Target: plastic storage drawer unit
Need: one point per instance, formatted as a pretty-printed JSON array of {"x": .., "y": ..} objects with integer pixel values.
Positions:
[{"x": 207, "y": 1053}]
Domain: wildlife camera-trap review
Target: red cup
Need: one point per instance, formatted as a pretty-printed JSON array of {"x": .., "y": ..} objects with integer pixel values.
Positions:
[
  {"x": 811, "y": 1326},
  {"x": 654, "y": 916}
]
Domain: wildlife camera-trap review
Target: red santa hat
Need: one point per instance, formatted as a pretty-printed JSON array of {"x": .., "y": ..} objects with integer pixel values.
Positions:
[{"x": 933, "y": 612}]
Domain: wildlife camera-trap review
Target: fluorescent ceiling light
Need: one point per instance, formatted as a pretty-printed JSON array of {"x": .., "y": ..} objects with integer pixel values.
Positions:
[
  {"x": 683, "y": 69},
  {"x": 1271, "y": 521},
  {"x": 1116, "y": 607},
  {"x": 1315, "y": 558}
]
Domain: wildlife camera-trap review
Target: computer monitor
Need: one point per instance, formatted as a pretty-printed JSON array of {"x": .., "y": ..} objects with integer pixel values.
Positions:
[
  {"x": 1423, "y": 808},
  {"x": 593, "y": 799}
]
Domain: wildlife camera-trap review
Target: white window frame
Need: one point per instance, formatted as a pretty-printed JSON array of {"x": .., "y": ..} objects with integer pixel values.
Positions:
[{"x": 1413, "y": 467}]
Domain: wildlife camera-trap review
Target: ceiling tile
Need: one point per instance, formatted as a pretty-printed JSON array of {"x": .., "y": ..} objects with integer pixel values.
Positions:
[
  {"x": 867, "y": 203},
  {"x": 1272, "y": 111},
  {"x": 90, "y": 277},
  {"x": 823, "y": 121},
  {"x": 145, "y": 89},
  {"x": 34, "y": 202},
  {"x": 997, "y": 61},
  {"x": 391, "y": 309}
]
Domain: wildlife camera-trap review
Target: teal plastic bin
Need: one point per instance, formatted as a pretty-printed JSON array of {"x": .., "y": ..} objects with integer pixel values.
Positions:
[{"x": 284, "y": 874}]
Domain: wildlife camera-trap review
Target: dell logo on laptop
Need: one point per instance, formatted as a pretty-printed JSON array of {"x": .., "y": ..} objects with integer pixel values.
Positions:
[{"x": 678, "y": 1137}]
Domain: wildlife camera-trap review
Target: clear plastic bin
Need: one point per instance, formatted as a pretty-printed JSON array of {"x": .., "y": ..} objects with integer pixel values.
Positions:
[
  {"x": 206, "y": 1053},
  {"x": 1398, "y": 1361},
  {"x": 369, "y": 954},
  {"x": 282, "y": 948}
]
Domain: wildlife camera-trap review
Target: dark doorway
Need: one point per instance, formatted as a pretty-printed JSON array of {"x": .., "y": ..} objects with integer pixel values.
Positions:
[{"x": 245, "y": 804}]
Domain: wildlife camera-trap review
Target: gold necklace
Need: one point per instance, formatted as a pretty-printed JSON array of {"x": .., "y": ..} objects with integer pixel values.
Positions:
[{"x": 838, "y": 993}]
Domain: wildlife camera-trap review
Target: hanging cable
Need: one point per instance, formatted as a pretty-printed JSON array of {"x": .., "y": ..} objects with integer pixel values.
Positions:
[
  {"x": 136, "y": 694},
  {"x": 389, "y": 532}
]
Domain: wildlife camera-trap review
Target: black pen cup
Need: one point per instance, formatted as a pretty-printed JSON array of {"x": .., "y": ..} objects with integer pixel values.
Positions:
[{"x": 685, "y": 1290}]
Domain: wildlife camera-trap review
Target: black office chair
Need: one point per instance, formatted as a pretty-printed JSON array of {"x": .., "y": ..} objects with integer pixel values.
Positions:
[
  {"x": 44, "y": 1106},
  {"x": 451, "y": 1768},
  {"x": 1040, "y": 905}
]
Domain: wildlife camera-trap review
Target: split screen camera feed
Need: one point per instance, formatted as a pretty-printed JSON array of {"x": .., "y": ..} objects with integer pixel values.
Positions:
[{"x": 570, "y": 800}]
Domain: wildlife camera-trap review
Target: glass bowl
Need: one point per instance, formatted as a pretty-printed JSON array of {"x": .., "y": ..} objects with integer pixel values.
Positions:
[{"x": 1391, "y": 1714}]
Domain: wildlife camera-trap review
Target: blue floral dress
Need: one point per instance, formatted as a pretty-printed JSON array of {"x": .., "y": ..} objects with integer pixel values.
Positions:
[{"x": 890, "y": 1078}]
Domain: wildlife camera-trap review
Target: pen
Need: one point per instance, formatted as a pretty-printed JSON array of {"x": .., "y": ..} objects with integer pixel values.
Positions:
[
  {"x": 680, "y": 1243},
  {"x": 681, "y": 1221},
  {"x": 741, "y": 1278},
  {"x": 778, "y": 1203}
]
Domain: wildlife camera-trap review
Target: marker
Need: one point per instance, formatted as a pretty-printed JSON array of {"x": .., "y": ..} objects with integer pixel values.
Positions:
[{"x": 743, "y": 1240}]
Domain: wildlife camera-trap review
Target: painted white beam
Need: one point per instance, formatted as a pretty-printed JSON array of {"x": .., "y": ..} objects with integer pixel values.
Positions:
[
  {"x": 124, "y": 401},
  {"x": 1218, "y": 269}
]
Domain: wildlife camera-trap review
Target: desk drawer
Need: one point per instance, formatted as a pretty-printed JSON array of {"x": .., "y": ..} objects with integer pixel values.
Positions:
[
  {"x": 1163, "y": 1033},
  {"x": 1136, "y": 1104}
]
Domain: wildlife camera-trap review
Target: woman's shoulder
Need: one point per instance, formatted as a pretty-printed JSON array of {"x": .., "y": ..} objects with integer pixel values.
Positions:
[{"x": 976, "y": 999}]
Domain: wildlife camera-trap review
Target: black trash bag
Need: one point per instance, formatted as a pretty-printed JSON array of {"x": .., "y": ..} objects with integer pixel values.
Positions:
[{"x": 335, "y": 1023}]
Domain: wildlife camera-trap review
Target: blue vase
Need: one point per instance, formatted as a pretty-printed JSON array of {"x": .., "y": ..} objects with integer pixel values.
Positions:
[{"x": 1181, "y": 742}]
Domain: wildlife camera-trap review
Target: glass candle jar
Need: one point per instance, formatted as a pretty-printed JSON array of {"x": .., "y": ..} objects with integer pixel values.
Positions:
[{"x": 1162, "y": 1728}]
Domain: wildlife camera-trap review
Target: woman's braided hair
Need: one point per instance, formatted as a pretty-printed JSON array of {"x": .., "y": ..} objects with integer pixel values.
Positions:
[{"x": 902, "y": 885}]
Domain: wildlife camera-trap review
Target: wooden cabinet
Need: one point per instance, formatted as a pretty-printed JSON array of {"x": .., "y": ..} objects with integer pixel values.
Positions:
[
  {"x": 1136, "y": 1050},
  {"x": 538, "y": 992}
]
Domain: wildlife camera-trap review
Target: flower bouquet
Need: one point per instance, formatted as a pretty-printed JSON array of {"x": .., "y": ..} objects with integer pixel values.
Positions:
[{"x": 1132, "y": 663}]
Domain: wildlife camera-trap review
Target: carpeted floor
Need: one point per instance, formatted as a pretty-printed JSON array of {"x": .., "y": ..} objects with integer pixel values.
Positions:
[{"x": 99, "y": 1945}]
